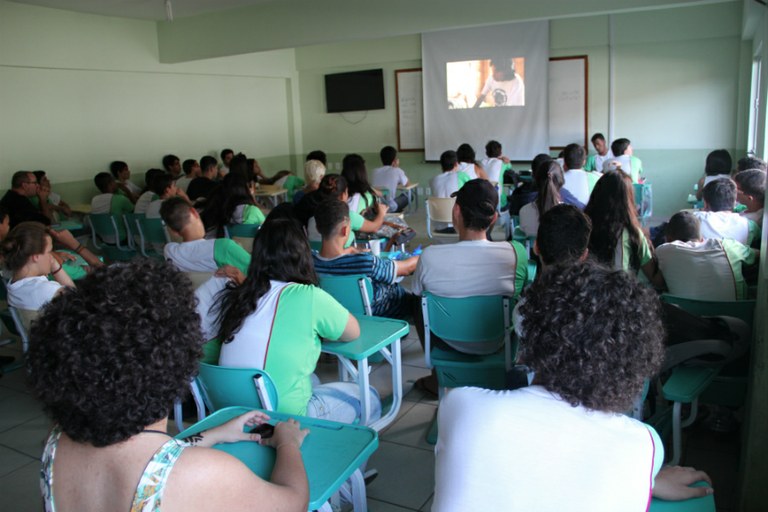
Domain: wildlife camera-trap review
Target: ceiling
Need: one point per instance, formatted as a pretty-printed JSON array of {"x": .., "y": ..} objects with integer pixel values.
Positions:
[{"x": 143, "y": 9}]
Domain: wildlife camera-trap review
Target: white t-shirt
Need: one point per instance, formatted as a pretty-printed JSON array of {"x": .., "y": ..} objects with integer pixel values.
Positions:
[
  {"x": 529, "y": 219},
  {"x": 32, "y": 293},
  {"x": 492, "y": 167},
  {"x": 153, "y": 209},
  {"x": 194, "y": 256},
  {"x": 756, "y": 216},
  {"x": 444, "y": 184},
  {"x": 726, "y": 225},
  {"x": 183, "y": 182},
  {"x": 577, "y": 183},
  {"x": 528, "y": 450},
  {"x": 101, "y": 203},
  {"x": 206, "y": 298},
  {"x": 388, "y": 178},
  {"x": 134, "y": 188},
  {"x": 469, "y": 169},
  {"x": 505, "y": 93},
  {"x": 599, "y": 159},
  {"x": 143, "y": 202}
]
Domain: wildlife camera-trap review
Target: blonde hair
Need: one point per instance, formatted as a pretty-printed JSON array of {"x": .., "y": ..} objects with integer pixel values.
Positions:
[{"x": 314, "y": 170}]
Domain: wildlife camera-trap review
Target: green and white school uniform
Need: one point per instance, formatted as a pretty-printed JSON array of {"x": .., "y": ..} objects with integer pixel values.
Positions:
[{"x": 207, "y": 255}]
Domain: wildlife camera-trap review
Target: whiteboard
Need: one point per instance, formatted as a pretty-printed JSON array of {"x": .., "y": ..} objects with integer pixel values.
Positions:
[
  {"x": 410, "y": 110},
  {"x": 567, "y": 101}
]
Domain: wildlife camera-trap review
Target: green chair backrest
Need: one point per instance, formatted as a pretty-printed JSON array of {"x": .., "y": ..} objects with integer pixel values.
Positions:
[
  {"x": 354, "y": 292},
  {"x": 467, "y": 319},
  {"x": 241, "y": 230},
  {"x": 741, "y": 309},
  {"x": 153, "y": 231},
  {"x": 107, "y": 227},
  {"x": 133, "y": 227},
  {"x": 226, "y": 387}
]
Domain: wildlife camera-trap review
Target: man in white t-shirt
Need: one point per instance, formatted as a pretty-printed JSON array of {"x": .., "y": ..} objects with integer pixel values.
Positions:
[
  {"x": 389, "y": 177},
  {"x": 122, "y": 175},
  {"x": 572, "y": 414},
  {"x": 577, "y": 181},
  {"x": 495, "y": 163},
  {"x": 191, "y": 171},
  {"x": 450, "y": 179},
  {"x": 718, "y": 219},
  {"x": 504, "y": 87},
  {"x": 750, "y": 191}
]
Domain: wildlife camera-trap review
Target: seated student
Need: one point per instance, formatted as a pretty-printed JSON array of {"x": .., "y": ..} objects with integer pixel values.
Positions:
[
  {"x": 172, "y": 166},
  {"x": 751, "y": 162},
  {"x": 549, "y": 180},
  {"x": 195, "y": 254},
  {"x": 526, "y": 191},
  {"x": 595, "y": 162},
  {"x": 17, "y": 200},
  {"x": 450, "y": 179},
  {"x": 234, "y": 201},
  {"x": 617, "y": 239},
  {"x": 226, "y": 157},
  {"x": 696, "y": 268},
  {"x": 718, "y": 166},
  {"x": 750, "y": 191},
  {"x": 389, "y": 298},
  {"x": 192, "y": 170},
  {"x": 27, "y": 253},
  {"x": 494, "y": 162},
  {"x": 122, "y": 175},
  {"x": 389, "y": 177},
  {"x": 362, "y": 196},
  {"x": 318, "y": 155},
  {"x": 314, "y": 170},
  {"x": 591, "y": 359},
  {"x": 467, "y": 163},
  {"x": 718, "y": 219},
  {"x": 55, "y": 202},
  {"x": 148, "y": 195},
  {"x": 109, "y": 201},
  {"x": 274, "y": 321},
  {"x": 164, "y": 188},
  {"x": 577, "y": 181},
  {"x": 563, "y": 236},
  {"x": 626, "y": 161},
  {"x": 201, "y": 187},
  {"x": 108, "y": 381}
]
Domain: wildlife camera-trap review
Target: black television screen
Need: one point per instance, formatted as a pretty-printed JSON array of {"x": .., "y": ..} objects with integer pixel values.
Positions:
[{"x": 358, "y": 90}]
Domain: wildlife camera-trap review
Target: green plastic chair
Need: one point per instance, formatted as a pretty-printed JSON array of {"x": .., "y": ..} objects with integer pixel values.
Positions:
[
  {"x": 354, "y": 292},
  {"x": 243, "y": 234},
  {"x": 332, "y": 454},
  {"x": 133, "y": 228},
  {"x": 226, "y": 387},
  {"x": 105, "y": 226},
  {"x": 153, "y": 235},
  {"x": 643, "y": 201}
]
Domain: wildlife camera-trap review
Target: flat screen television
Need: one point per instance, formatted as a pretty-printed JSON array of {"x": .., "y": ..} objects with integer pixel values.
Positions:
[{"x": 357, "y": 90}]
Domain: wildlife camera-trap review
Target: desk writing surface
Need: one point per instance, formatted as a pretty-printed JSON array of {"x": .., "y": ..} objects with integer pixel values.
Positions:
[
  {"x": 409, "y": 186},
  {"x": 331, "y": 452},
  {"x": 270, "y": 190},
  {"x": 375, "y": 333}
]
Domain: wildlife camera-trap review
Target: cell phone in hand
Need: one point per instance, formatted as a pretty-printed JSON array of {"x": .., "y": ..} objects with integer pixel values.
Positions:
[{"x": 265, "y": 430}]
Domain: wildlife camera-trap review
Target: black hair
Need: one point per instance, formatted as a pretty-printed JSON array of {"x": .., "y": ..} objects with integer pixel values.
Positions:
[
  {"x": 353, "y": 170},
  {"x": 597, "y": 136},
  {"x": 317, "y": 155},
  {"x": 108, "y": 358},
  {"x": 19, "y": 178},
  {"x": 175, "y": 212},
  {"x": 611, "y": 208},
  {"x": 332, "y": 186},
  {"x": 539, "y": 159},
  {"x": 619, "y": 146},
  {"x": 232, "y": 193},
  {"x": 493, "y": 149},
  {"x": 387, "y": 155},
  {"x": 280, "y": 252},
  {"x": 476, "y": 213},
  {"x": 102, "y": 181},
  {"x": 117, "y": 166},
  {"x": 549, "y": 180},
  {"x": 466, "y": 154},
  {"x": 150, "y": 175},
  {"x": 24, "y": 241},
  {"x": 207, "y": 162},
  {"x": 3, "y": 214},
  {"x": 225, "y": 152},
  {"x": 752, "y": 183},
  {"x": 448, "y": 160},
  {"x": 239, "y": 165},
  {"x": 329, "y": 216},
  {"x": 592, "y": 335},
  {"x": 750, "y": 162},
  {"x": 683, "y": 226},
  {"x": 563, "y": 234},
  {"x": 161, "y": 182},
  {"x": 718, "y": 162},
  {"x": 504, "y": 66},
  {"x": 39, "y": 175},
  {"x": 720, "y": 195},
  {"x": 573, "y": 156},
  {"x": 187, "y": 166},
  {"x": 168, "y": 161}
]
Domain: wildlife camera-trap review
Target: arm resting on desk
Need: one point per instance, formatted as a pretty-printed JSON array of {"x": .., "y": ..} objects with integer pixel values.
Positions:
[{"x": 351, "y": 330}]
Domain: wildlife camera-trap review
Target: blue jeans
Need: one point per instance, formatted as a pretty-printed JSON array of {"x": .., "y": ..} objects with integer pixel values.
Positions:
[{"x": 340, "y": 401}]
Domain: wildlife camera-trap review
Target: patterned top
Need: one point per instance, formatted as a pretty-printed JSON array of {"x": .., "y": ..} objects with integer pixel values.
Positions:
[{"x": 149, "y": 493}]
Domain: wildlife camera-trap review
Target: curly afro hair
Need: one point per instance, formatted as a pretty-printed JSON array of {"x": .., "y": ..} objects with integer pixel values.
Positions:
[
  {"x": 110, "y": 357},
  {"x": 592, "y": 335}
]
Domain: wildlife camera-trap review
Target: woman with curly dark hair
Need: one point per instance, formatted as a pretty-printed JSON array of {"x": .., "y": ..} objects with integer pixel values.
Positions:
[
  {"x": 617, "y": 239},
  {"x": 592, "y": 336},
  {"x": 107, "y": 361},
  {"x": 274, "y": 321}
]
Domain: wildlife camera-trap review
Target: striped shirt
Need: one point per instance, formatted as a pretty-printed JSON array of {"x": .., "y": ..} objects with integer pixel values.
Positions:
[{"x": 388, "y": 296}]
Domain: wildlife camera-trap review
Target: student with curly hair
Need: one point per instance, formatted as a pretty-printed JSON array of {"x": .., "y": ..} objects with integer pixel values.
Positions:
[
  {"x": 592, "y": 337},
  {"x": 107, "y": 361},
  {"x": 617, "y": 239}
]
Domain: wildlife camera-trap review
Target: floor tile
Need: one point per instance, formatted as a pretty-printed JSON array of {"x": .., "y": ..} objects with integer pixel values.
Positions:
[
  {"x": 428, "y": 505},
  {"x": 22, "y": 488},
  {"x": 28, "y": 437},
  {"x": 411, "y": 429},
  {"x": 413, "y": 355},
  {"x": 16, "y": 408},
  {"x": 10, "y": 461},
  {"x": 15, "y": 380},
  {"x": 406, "y": 475},
  {"x": 382, "y": 506}
]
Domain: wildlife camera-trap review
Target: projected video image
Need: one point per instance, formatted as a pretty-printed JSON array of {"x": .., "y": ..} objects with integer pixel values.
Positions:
[{"x": 498, "y": 82}]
